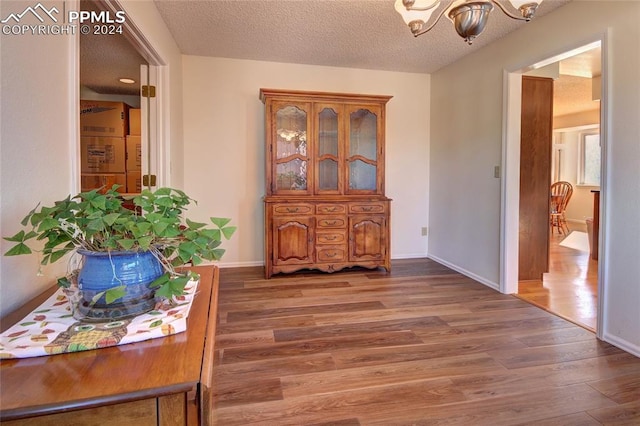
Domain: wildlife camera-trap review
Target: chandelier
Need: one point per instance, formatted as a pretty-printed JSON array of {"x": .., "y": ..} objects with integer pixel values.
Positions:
[{"x": 469, "y": 17}]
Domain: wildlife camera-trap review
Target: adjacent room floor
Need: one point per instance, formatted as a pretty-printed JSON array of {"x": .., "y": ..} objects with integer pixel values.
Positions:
[{"x": 570, "y": 288}]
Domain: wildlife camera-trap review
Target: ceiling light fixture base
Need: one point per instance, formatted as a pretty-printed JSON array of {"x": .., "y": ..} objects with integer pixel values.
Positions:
[{"x": 469, "y": 19}]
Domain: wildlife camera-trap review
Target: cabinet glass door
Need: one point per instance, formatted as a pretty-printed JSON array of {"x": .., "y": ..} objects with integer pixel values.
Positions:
[
  {"x": 328, "y": 155},
  {"x": 291, "y": 157},
  {"x": 363, "y": 150}
]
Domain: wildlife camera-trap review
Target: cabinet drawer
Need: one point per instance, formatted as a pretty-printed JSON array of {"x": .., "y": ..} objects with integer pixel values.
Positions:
[
  {"x": 366, "y": 208},
  {"x": 331, "y": 222},
  {"x": 331, "y": 209},
  {"x": 293, "y": 208},
  {"x": 337, "y": 237},
  {"x": 331, "y": 254}
]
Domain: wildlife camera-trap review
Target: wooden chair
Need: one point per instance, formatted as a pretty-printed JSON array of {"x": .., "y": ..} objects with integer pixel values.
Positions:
[{"x": 560, "y": 195}]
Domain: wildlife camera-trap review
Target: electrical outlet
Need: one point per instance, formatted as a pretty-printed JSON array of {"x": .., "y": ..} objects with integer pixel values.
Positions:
[{"x": 425, "y": 231}]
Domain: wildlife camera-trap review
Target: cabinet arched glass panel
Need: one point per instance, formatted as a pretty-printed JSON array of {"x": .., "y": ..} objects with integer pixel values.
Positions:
[
  {"x": 291, "y": 149},
  {"x": 328, "y": 150},
  {"x": 363, "y": 148}
]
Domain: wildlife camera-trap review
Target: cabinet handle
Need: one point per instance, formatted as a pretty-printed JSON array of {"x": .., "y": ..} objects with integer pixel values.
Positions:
[
  {"x": 367, "y": 208},
  {"x": 292, "y": 209},
  {"x": 334, "y": 254},
  {"x": 330, "y": 237},
  {"x": 330, "y": 222}
]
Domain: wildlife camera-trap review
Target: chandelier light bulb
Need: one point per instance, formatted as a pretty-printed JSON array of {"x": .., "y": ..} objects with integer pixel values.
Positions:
[{"x": 419, "y": 13}]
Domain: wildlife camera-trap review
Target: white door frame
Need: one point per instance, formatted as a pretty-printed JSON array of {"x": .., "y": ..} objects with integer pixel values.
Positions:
[{"x": 510, "y": 189}]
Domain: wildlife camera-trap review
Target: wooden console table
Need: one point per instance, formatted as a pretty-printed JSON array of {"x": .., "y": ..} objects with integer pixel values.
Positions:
[{"x": 164, "y": 381}]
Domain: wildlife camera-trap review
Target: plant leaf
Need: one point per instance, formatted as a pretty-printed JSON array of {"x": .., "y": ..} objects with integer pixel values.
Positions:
[
  {"x": 47, "y": 224},
  {"x": 95, "y": 298},
  {"x": 145, "y": 242},
  {"x": 64, "y": 282},
  {"x": 164, "y": 202},
  {"x": 220, "y": 221},
  {"x": 99, "y": 202},
  {"x": 111, "y": 218},
  {"x": 95, "y": 225},
  {"x": 115, "y": 293},
  {"x": 160, "y": 227},
  {"x": 217, "y": 253},
  {"x": 173, "y": 287},
  {"x": 160, "y": 281},
  {"x": 125, "y": 243},
  {"x": 25, "y": 221},
  {"x": 195, "y": 225},
  {"x": 143, "y": 227},
  {"x": 58, "y": 254},
  {"x": 19, "y": 237},
  {"x": 20, "y": 248},
  {"x": 228, "y": 231},
  {"x": 186, "y": 251}
]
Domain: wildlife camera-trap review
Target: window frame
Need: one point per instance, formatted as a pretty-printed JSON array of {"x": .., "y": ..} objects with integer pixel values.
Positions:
[{"x": 582, "y": 152}]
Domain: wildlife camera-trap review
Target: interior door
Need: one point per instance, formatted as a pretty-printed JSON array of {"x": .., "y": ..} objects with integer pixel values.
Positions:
[{"x": 535, "y": 176}]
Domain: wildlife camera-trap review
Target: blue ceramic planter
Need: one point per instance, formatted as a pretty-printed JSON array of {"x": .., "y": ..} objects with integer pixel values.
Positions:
[{"x": 102, "y": 271}]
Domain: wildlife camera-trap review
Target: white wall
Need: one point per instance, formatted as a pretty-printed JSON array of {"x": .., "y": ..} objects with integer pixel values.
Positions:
[
  {"x": 464, "y": 195},
  {"x": 224, "y": 144},
  {"x": 466, "y": 143},
  {"x": 39, "y": 132},
  {"x": 35, "y": 144}
]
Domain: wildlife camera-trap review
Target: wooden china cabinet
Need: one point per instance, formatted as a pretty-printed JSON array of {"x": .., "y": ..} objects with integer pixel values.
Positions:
[{"x": 325, "y": 206}]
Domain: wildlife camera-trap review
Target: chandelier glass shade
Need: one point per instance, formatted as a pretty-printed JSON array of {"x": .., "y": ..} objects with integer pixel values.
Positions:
[{"x": 469, "y": 17}]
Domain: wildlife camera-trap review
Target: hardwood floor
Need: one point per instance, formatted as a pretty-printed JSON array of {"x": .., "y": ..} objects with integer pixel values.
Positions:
[
  {"x": 422, "y": 345},
  {"x": 570, "y": 288}
]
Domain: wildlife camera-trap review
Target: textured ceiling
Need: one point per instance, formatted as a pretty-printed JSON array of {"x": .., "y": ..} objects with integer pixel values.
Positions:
[
  {"x": 365, "y": 34},
  {"x": 572, "y": 91},
  {"x": 586, "y": 64},
  {"x": 103, "y": 63},
  {"x": 572, "y": 94}
]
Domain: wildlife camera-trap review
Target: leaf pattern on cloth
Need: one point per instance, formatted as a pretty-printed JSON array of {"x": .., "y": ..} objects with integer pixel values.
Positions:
[{"x": 51, "y": 329}]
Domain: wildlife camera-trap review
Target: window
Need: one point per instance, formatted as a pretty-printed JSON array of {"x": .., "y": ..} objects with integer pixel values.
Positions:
[{"x": 589, "y": 159}]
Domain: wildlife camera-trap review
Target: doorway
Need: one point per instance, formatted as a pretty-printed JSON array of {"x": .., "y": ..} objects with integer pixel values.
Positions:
[
  {"x": 568, "y": 287},
  {"x": 104, "y": 59},
  {"x": 110, "y": 114},
  {"x": 568, "y": 266}
]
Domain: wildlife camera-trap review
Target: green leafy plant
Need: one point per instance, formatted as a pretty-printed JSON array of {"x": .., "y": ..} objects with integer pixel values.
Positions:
[{"x": 100, "y": 222}]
